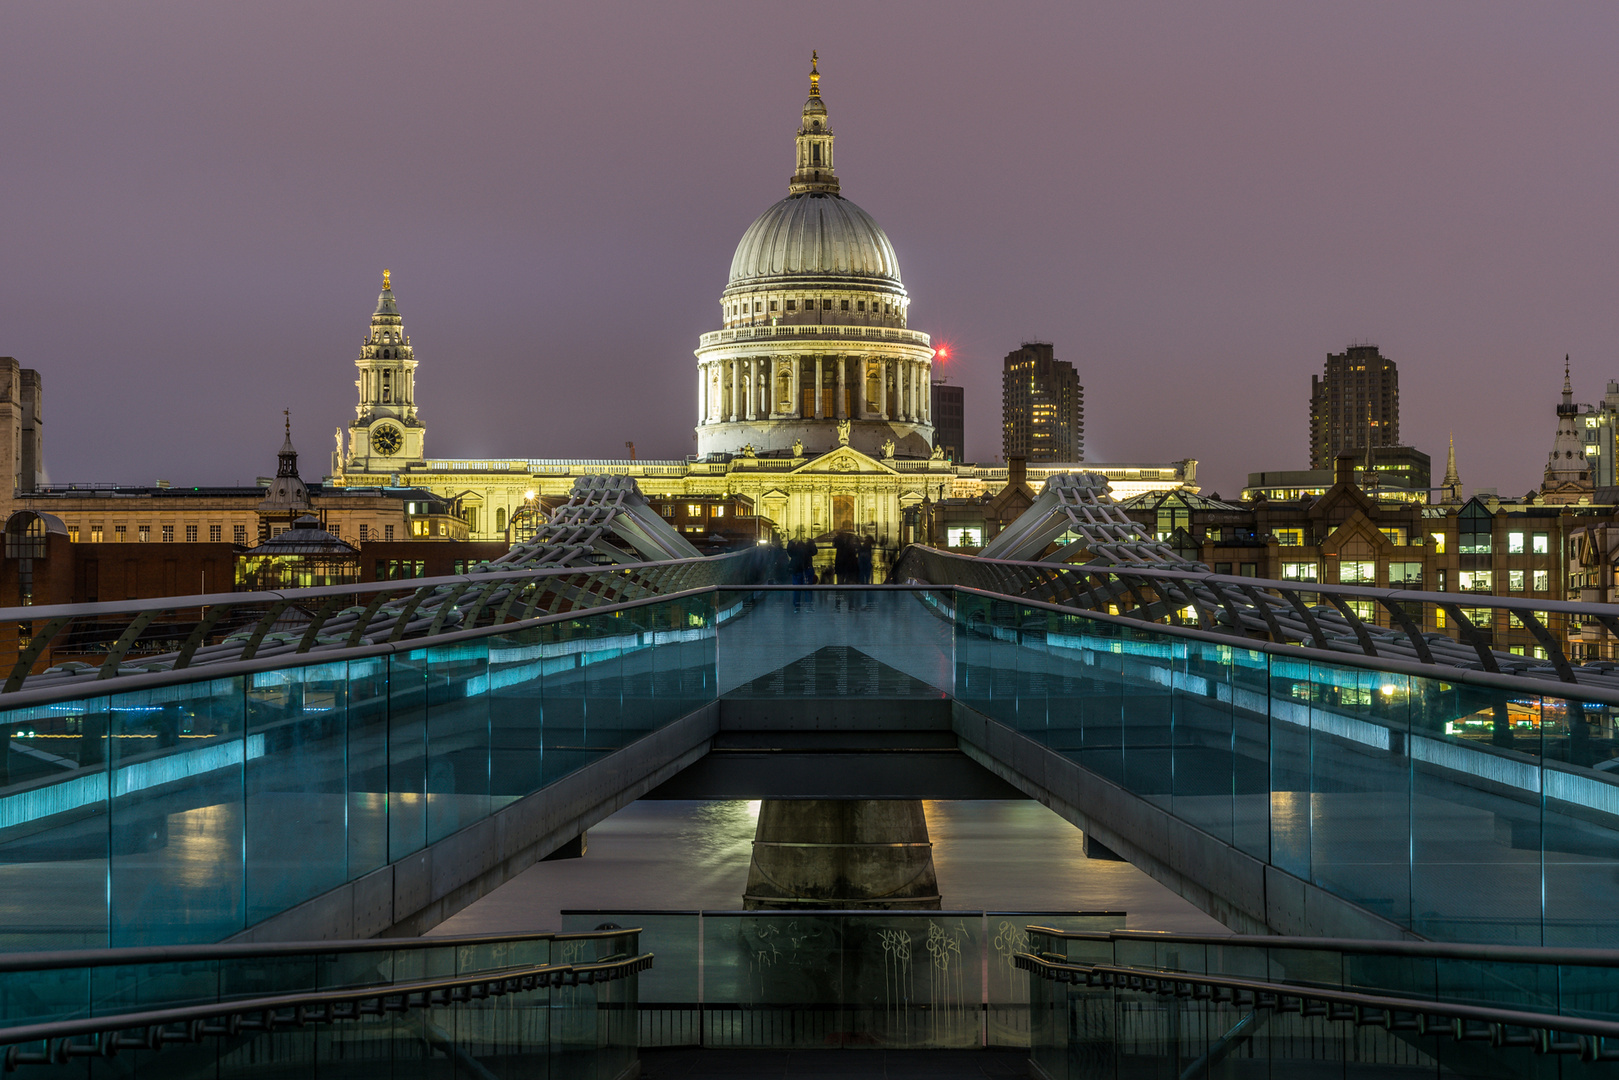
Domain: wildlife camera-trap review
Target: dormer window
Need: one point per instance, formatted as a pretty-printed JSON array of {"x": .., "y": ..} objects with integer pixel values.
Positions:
[
  {"x": 772, "y": 305},
  {"x": 860, "y": 305},
  {"x": 792, "y": 305}
]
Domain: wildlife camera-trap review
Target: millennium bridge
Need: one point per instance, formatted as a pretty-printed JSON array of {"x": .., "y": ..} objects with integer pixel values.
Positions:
[{"x": 226, "y": 820}]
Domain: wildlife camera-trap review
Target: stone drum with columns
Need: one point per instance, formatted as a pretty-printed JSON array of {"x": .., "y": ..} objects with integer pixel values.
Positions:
[{"x": 814, "y": 343}]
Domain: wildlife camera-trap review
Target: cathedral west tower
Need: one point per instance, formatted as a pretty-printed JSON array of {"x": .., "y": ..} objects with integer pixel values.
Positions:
[
  {"x": 814, "y": 350},
  {"x": 386, "y": 432}
]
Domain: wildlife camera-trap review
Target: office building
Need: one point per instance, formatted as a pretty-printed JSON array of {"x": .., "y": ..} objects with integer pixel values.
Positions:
[
  {"x": 1397, "y": 474},
  {"x": 1042, "y": 406},
  {"x": 1354, "y": 403},
  {"x": 949, "y": 420}
]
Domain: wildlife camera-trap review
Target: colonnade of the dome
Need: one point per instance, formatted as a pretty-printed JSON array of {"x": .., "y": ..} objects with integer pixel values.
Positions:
[{"x": 784, "y": 386}]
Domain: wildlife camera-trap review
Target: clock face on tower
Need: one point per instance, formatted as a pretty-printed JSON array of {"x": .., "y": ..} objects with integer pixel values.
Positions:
[{"x": 386, "y": 440}]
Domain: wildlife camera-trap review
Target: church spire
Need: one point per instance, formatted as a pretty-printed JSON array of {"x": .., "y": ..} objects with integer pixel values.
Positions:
[
  {"x": 287, "y": 497},
  {"x": 1568, "y": 473},
  {"x": 814, "y": 175},
  {"x": 287, "y": 459},
  {"x": 1451, "y": 485}
]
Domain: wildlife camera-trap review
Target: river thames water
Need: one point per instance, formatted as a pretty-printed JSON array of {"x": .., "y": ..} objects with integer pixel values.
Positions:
[{"x": 1006, "y": 855}]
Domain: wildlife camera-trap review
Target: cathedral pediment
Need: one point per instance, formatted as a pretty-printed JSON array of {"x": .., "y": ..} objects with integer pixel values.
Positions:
[{"x": 843, "y": 460}]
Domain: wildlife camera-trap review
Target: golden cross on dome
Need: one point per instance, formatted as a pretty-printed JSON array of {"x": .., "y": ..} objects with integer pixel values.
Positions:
[
  {"x": 385, "y": 285},
  {"x": 815, "y": 76},
  {"x": 287, "y": 414}
]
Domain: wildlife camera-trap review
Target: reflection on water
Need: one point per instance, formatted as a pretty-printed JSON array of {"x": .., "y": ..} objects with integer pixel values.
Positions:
[{"x": 683, "y": 855}]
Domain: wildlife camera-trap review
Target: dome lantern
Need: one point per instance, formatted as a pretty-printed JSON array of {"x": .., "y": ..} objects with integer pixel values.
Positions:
[{"x": 814, "y": 170}]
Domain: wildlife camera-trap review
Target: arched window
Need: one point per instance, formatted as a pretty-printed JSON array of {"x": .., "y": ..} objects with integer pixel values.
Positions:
[
  {"x": 500, "y": 520},
  {"x": 815, "y": 154}
]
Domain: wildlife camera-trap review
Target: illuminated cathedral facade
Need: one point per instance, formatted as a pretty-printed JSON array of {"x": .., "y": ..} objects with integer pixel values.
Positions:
[{"x": 813, "y": 394}]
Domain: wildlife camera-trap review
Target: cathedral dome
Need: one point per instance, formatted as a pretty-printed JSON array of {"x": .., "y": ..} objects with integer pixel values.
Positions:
[
  {"x": 813, "y": 350},
  {"x": 818, "y": 235}
]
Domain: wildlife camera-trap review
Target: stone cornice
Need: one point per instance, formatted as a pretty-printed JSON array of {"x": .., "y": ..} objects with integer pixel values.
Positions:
[{"x": 786, "y": 336}]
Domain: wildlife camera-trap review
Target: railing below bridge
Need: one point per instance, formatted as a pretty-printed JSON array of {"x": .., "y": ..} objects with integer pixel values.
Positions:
[
  {"x": 532, "y": 1005},
  {"x": 1105, "y": 1005},
  {"x": 896, "y": 980}
]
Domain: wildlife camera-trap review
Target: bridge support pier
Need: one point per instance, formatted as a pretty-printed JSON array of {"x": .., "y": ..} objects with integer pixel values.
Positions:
[{"x": 842, "y": 854}]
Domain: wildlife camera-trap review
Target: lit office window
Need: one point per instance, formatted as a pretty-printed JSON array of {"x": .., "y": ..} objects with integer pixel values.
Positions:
[{"x": 1354, "y": 572}]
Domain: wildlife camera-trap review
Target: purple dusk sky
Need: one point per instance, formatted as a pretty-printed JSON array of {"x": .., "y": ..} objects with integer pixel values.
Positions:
[{"x": 1195, "y": 202}]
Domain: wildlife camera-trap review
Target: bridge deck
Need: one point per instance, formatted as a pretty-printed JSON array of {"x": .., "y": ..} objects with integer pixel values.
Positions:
[{"x": 398, "y": 782}]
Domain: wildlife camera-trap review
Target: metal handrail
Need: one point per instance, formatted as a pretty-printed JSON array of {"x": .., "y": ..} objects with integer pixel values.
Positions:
[
  {"x": 1437, "y": 950},
  {"x": 1607, "y": 692},
  {"x": 350, "y": 615},
  {"x": 1370, "y": 592},
  {"x": 198, "y": 673},
  {"x": 70, "y": 690},
  {"x": 265, "y": 1013},
  {"x": 191, "y": 954},
  {"x": 1244, "y": 606},
  {"x": 1390, "y": 1013}
]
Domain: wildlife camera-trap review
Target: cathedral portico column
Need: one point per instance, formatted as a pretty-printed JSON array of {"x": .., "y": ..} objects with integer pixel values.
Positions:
[
  {"x": 702, "y": 392},
  {"x": 753, "y": 388},
  {"x": 735, "y": 410},
  {"x": 882, "y": 385},
  {"x": 840, "y": 410},
  {"x": 819, "y": 399}
]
